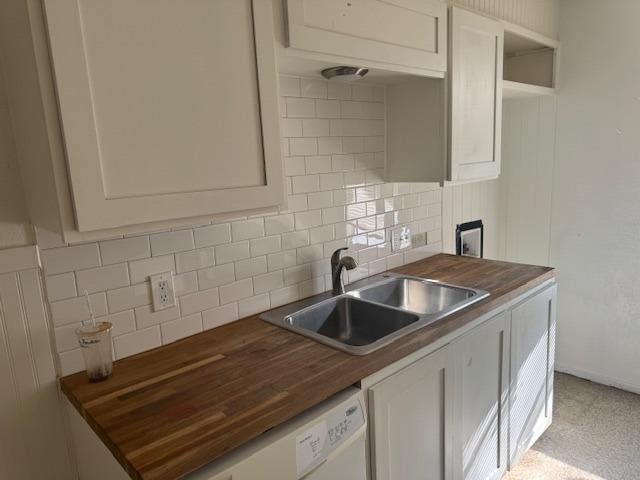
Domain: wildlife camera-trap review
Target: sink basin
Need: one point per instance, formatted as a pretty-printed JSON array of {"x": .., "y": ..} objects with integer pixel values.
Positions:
[
  {"x": 349, "y": 321},
  {"x": 373, "y": 313},
  {"x": 415, "y": 295}
]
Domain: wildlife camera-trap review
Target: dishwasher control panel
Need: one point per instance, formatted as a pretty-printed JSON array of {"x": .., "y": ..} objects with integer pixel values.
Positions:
[{"x": 316, "y": 443}]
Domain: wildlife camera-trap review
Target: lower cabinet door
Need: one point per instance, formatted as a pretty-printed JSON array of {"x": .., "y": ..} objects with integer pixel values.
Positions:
[
  {"x": 480, "y": 363},
  {"x": 533, "y": 327},
  {"x": 409, "y": 412}
]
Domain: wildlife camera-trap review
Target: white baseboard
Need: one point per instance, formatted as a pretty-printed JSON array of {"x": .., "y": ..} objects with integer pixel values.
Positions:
[{"x": 597, "y": 378}]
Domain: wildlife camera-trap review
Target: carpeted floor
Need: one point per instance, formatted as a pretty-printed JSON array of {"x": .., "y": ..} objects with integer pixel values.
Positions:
[{"x": 595, "y": 435}]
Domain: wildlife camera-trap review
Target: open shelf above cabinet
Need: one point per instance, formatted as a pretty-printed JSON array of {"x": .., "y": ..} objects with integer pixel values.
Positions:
[{"x": 530, "y": 63}]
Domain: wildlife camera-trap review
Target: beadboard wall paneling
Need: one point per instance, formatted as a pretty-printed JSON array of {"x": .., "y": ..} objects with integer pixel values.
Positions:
[
  {"x": 474, "y": 201},
  {"x": 528, "y": 147},
  {"x": 235, "y": 266},
  {"x": 32, "y": 441},
  {"x": 541, "y": 16}
]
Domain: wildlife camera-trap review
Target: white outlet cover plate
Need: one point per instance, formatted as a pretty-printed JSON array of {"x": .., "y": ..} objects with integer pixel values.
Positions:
[
  {"x": 162, "y": 291},
  {"x": 401, "y": 238}
]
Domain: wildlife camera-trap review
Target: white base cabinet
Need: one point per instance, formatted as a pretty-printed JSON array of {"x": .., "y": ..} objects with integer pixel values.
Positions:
[
  {"x": 533, "y": 334},
  {"x": 480, "y": 361},
  {"x": 409, "y": 412},
  {"x": 470, "y": 409}
]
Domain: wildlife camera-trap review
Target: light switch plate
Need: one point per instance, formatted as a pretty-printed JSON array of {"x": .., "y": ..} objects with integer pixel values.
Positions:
[
  {"x": 401, "y": 238},
  {"x": 162, "y": 291}
]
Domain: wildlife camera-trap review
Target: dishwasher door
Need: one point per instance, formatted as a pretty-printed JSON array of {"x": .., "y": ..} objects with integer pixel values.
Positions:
[
  {"x": 327, "y": 442},
  {"x": 348, "y": 464}
]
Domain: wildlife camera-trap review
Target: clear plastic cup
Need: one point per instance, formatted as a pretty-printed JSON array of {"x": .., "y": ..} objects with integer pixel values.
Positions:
[{"x": 95, "y": 343}]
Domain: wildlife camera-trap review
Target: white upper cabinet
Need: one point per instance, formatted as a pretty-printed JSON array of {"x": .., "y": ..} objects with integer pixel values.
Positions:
[
  {"x": 439, "y": 130},
  {"x": 391, "y": 34},
  {"x": 168, "y": 108},
  {"x": 475, "y": 88}
]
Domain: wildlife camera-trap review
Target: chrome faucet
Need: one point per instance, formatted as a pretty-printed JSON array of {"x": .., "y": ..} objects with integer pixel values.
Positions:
[{"x": 337, "y": 264}]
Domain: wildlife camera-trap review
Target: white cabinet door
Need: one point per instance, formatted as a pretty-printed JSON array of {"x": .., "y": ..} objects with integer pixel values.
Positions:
[
  {"x": 409, "y": 33},
  {"x": 533, "y": 327},
  {"x": 169, "y": 108},
  {"x": 409, "y": 413},
  {"x": 480, "y": 362},
  {"x": 475, "y": 75}
]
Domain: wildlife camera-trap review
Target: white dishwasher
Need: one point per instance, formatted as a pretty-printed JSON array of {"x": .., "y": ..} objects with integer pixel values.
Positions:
[{"x": 327, "y": 442}]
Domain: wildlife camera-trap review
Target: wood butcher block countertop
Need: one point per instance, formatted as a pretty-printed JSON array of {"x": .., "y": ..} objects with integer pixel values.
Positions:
[{"x": 166, "y": 412}]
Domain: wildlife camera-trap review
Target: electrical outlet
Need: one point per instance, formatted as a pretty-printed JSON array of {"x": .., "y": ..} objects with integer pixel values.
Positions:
[
  {"x": 401, "y": 238},
  {"x": 419, "y": 239},
  {"x": 162, "y": 291}
]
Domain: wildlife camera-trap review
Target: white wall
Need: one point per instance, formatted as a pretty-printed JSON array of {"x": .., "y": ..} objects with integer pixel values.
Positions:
[{"x": 595, "y": 236}]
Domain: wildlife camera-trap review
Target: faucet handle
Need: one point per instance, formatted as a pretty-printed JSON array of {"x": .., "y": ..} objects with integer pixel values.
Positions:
[{"x": 335, "y": 257}]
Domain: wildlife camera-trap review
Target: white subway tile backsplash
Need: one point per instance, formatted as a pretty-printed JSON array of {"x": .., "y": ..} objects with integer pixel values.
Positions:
[
  {"x": 181, "y": 328},
  {"x": 185, "y": 283},
  {"x": 74, "y": 310},
  {"x": 68, "y": 259},
  {"x": 279, "y": 260},
  {"x": 125, "y": 249},
  {"x": 129, "y": 297},
  {"x": 294, "y": 166},
  {"x": 266, "y": 245},
  {"x": 300, "y": 107},
  {"x": 61, "y": 286},
  {"x": 306, "y": 183},
  {"x": 268, "y": 282},
  {"x": 66, "y": 338},
  {"x": 327, "y": 109},
  {"x": 340, "y": 91},
  {"x": 303, "y": 146},
  {"x": 320, "y": 200},
  {"x": 317, "y": 164},
  {"x": 297, "y": 274},
  {"x": 236, "y": 291},
  {"x": 315, "y": 127},
  {"x": 212, "y": 235},
  {"x": 291, "y": 127},
  {"x": 146, "y": 317},
  {"x": 333, "y": 215},
  {"x": 284, "y": 295},
  {"x": 171, "y": 242},
  {"x": 243, "y": 263},
  {"x": 251, "y": 267},
  {"x": 307, "y": 219},
  {"x": 137, "y": 342},
  {"x": 247, "y": 229},
  {"x": 331, "y": 181},
  {"x": 253, "y": 305},
  {"x": 140, "y": 270},
  {"x": 219, "y": 316},
  {"x": 321, "y": 234},
  {"x": 199, "y": 301},
  {"x": 278, "y": 224},
  {"x": 103, "y": 278},
  {"x": 232, "y": 252},
  {"x": 216, "y": 276},
  {"x": 329, "y": 145},
  {"x": 194, "y": 260}
]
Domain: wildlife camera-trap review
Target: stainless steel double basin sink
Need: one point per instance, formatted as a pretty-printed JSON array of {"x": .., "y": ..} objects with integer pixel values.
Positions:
[{"x": 371, "y": 316}]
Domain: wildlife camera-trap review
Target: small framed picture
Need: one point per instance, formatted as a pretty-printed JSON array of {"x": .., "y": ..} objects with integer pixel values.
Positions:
[{"x": 470, "y": 239}]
